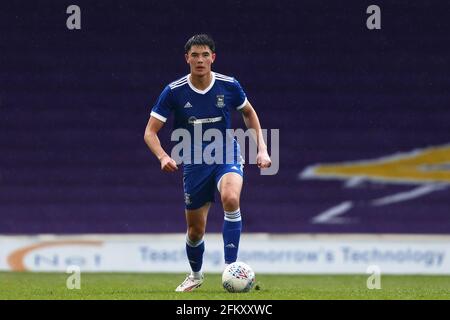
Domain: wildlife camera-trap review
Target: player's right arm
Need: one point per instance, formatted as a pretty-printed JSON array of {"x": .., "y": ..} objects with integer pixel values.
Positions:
[{"x": 152, "y": 141}]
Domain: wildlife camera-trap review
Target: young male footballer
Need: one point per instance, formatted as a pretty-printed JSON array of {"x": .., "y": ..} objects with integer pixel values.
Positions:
[{"x": 205, "y": 99}]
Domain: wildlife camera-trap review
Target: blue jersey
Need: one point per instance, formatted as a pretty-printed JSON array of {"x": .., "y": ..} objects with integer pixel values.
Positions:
[{"x": 209, "y": 108}]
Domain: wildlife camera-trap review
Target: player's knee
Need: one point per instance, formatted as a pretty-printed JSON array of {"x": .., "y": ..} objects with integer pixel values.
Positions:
[
  {"x": 196, "y": 234},
  {"x": 230, "y": 200}
]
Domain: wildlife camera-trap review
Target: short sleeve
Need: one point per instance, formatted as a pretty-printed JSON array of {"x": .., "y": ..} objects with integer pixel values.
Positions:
[
  {"x": 161, "y": 110},
  {"x": 239, "y": 96}
]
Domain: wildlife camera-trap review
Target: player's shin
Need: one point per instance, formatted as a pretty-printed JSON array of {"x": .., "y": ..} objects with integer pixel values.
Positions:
[
  {"x": 194, "y": 251},
  {"x": 231, "y": 232}
]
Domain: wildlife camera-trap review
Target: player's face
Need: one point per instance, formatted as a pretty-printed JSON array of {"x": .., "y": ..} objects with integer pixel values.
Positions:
[{"x": 200, "y": 59}]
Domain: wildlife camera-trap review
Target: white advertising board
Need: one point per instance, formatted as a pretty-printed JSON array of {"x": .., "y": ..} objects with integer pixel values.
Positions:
[{"x": 266, "y": 253}]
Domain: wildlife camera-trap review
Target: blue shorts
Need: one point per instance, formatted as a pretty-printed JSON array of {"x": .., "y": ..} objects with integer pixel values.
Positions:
[{"x": 200, "y": 182}]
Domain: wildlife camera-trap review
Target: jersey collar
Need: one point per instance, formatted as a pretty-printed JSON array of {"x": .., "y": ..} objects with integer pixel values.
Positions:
[{"x": 213, "y": 80}]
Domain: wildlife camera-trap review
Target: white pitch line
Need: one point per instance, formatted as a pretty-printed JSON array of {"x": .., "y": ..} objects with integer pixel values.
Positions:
[
  {"x": 330, "y": 216},
  {"x": 408, "y": 195},
  {"x": 354, "y": 182}
]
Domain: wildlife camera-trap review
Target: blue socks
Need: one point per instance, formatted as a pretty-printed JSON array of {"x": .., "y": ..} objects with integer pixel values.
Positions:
[
  {"x": 232, "y": 226},
  {"x": 231, "y": 232},
  {"x": 194, "y": 252}
]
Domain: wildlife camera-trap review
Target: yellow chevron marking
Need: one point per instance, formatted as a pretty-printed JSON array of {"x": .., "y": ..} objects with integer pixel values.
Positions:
[{"x": 419, "y": 166}]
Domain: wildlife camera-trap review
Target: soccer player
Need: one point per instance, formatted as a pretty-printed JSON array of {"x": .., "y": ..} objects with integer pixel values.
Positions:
[{"x": 205, "y": 98}]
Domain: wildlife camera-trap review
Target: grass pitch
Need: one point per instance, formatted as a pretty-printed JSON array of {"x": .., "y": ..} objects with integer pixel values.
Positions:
[{"x": 139, "y": 286}]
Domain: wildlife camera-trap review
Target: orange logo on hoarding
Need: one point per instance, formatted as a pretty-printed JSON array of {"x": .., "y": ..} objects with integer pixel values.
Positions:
[{"x": 16, "y": 259}]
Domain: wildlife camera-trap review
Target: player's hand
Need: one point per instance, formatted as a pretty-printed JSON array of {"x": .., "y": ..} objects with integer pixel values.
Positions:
[
  {"x": 263, "y": 159},
  {"x": 168, "y": 164}
]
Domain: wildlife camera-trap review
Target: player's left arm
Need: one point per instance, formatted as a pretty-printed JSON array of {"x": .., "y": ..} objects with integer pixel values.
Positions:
[{"x": 252, "y": 122}]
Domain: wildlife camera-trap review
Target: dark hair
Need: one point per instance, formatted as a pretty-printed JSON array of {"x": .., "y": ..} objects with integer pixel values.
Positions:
[{"x": 200, "y": 40}]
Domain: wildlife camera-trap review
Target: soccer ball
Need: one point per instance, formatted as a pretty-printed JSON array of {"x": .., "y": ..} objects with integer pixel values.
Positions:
[{"x": 238, "y": 277}]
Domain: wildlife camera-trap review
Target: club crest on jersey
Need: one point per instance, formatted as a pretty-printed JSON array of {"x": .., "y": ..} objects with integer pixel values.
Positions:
[{"x": 220, "y": 103}]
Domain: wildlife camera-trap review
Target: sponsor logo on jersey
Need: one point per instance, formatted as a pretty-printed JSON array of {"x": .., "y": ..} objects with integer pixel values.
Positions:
[
  {"x": 194, "y": 120},
  {"x": 187, "y": 105}
]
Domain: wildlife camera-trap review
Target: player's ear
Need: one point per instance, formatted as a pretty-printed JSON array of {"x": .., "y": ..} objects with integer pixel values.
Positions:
[
  {"x": 186, "y": 56},
  {"x": 213, "y": 57}
]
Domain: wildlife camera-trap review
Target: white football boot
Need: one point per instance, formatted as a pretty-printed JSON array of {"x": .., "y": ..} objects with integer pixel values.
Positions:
[{"x": 189, "y": 284}]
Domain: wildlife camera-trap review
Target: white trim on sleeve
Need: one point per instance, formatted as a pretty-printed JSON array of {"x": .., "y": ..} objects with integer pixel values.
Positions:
[
  {"x": 158, "y": 116},
  {"x": 242, "y": 105}
]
